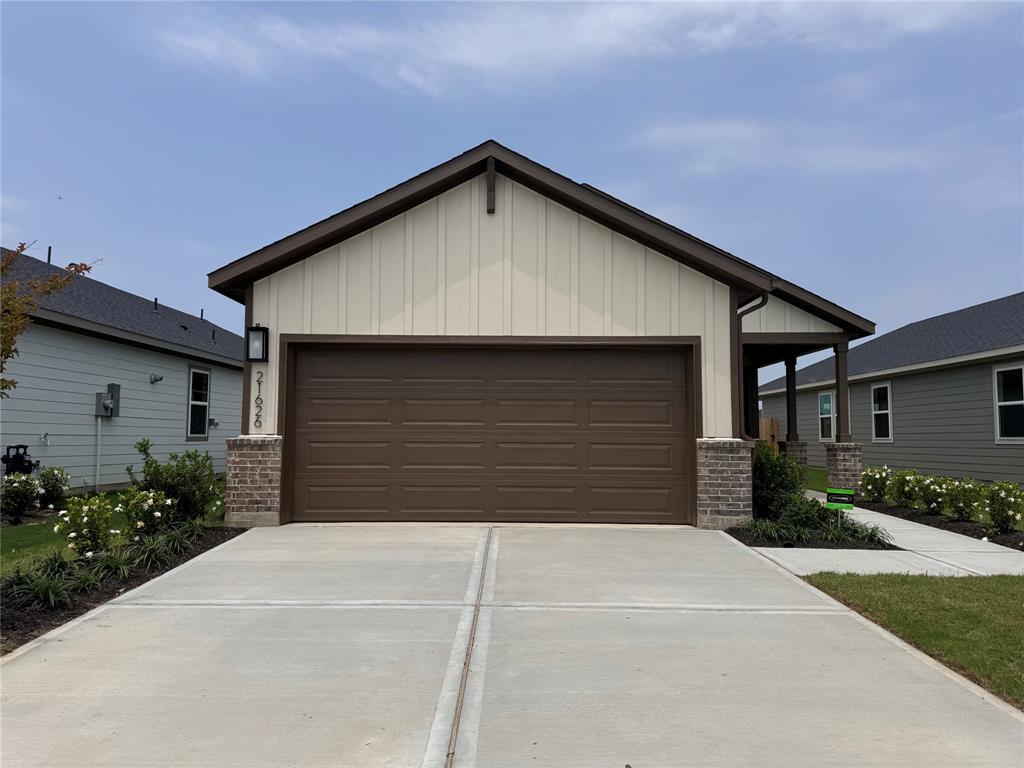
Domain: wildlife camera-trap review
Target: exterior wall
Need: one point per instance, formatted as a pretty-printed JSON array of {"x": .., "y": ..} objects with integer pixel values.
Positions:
[
  {"x": 943, "y": 422},
  {"x": 778, "y": 316},
  {"x": 533, "y": 268},
  {"x": 59, "y": 373}
]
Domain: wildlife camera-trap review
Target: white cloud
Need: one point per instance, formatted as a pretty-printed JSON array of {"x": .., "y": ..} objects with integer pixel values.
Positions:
[
  {"x": 434, "y": 48},
  {"x": 711, "y": 147}
]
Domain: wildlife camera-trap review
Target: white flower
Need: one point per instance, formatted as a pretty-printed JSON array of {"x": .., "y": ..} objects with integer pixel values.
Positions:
[
  {"x": 984, "y": 538},
  {"x": 71, "y": 545},
  {"x": 88, "y": 554},
  {"x": 157, "y": 514},
  {"x": 118, "y": 508},
  {"x": 114, "y": 531},
  {"x": 136, "y": 538},
  {"x": 50, "y": 506},
  {"x": 72, "y": 535},
  {"x": 56, "y": 528},
  {"x": 167, "y": 503}
]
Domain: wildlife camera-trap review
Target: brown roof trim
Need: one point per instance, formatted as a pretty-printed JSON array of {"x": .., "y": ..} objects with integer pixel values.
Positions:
[{"x": 749, "y": 280}]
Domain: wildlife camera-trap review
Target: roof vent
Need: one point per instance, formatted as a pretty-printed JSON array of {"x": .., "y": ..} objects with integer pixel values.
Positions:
[
  {"x": 156, "y": 304},
  {"x": 183, "y": 327}
]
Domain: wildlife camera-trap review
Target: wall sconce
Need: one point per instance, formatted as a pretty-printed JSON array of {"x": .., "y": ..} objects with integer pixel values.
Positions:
[{"x": 256, "y": 344}]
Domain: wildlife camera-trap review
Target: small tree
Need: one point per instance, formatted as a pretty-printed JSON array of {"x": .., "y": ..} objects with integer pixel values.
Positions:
[{"x": 19, "y": 301}]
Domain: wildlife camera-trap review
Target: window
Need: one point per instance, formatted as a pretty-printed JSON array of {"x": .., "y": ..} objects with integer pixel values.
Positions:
[
  {"x": 826, "y": 416},
  {"x": 198, "y": 404},
  {"x": 881, "y": 413},
  {"x": 1009, "y": 386}
]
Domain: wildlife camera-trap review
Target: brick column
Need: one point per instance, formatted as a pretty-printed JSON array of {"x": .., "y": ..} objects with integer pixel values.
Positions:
[
  {"x": 724, "y": 479},
  {"x": 844, "y": 464},
  {"x": 796, "y": 449},
  {"x": 253, "y": 496}
]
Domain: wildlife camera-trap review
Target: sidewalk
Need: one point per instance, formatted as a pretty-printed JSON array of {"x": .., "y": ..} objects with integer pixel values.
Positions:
[{"x": 927, "y": 550}]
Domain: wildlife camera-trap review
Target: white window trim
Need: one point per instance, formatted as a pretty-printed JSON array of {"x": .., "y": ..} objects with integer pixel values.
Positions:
[
  {"x": 871, "y": 408},
  {"x": 205, "y": 434},
  {"x": 817, "y": 412},
  {"x": 995, "y": 402}
]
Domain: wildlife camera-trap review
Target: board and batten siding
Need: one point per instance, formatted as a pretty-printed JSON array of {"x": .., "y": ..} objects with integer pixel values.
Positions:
[
  {"x": 778, "y": 316},
  {"x": 59, "y": 373},
  {"x": 533, "y": 268},
  {"x": 943, "y": 423}
]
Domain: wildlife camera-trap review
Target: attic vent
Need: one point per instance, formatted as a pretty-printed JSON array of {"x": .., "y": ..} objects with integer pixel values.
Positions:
[{"x": 183, "y": 327}]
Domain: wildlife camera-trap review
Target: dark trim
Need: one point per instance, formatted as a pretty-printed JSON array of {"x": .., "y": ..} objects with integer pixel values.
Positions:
[
  {"x": 190, "y": 438},
  {"x": 492, "y": 182},
  {"x": 64, "y": 322},
  {"x": 824, "y": 339},
  {"x": 842, "y": 395},
  {"x": 291, "y": 343},
  {"x": 792, "y": 433},
  {"x": 247, "y": 366}
]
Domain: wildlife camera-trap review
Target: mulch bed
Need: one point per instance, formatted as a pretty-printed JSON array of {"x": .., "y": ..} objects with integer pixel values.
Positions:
[
  {"x": 1014, "y": 540},
  {"x": 745, "y": 536},
  {"x": 19, "y": 625}
]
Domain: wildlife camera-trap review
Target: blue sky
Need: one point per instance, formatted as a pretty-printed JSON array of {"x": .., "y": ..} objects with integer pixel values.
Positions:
[{"x": 869, "y": 152}]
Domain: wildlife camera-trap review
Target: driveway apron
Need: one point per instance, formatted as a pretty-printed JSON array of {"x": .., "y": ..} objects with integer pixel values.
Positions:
[{"x": 475, "y": 645}]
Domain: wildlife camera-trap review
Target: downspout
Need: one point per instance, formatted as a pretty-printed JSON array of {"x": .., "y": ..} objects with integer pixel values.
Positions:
[
  {"x": 762, "y": 300},
  {"x": 99, "y": 433}
]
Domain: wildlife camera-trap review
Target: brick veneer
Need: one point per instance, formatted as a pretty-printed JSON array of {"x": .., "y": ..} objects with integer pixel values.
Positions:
[
  {"x": 796, "y": 448},
  {"x": 724, "y": 477},
  {"x": 253, "y": 496},
  {"x": 845, "y": 463}
]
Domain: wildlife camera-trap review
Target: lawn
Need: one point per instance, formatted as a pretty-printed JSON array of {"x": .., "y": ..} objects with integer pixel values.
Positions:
[
  {"x": 973, "y": 624},
  {"x": 817, "y": 478},
  {"x": 22, "y": 542}
]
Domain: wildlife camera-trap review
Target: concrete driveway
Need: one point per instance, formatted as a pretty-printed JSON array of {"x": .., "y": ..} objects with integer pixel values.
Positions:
[{"x": 591, "y": 646}]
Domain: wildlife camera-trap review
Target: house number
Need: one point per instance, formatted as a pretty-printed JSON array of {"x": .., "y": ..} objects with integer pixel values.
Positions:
[{"x": 258, "y": 418}]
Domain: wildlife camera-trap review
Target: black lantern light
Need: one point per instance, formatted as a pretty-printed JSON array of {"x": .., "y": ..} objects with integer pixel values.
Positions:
[{"x": 256, "y": 344}]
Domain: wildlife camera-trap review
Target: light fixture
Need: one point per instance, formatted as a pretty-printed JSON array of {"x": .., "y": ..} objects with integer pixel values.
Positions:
[
  {"x": 155, "y": 377},
  {"x": 256, "y": 345}
]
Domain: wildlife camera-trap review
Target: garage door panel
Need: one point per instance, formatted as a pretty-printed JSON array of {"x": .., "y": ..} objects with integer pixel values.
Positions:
[{"x": 483, "y": 434}]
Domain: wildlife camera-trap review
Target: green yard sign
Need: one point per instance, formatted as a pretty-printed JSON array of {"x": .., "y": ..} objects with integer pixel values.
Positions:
[{"x": 839, "y": 498}]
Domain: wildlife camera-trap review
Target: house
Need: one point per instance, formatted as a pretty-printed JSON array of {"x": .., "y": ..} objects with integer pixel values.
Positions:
[
  {"x": 490, "y": 340},
  {"x": 177, "y": 380},
  {"x": 944, "y": 395}
]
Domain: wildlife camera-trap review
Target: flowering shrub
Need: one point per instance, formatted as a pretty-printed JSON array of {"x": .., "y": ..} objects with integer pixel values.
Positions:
[
  {"x": 54, "y": 483},
  {"x": 188, "y": 478},
  {"x": 86, "y": 524},
  {"x": 962, "y": 499},
  {"x": 1005, "y": 506},
  {"x": 19, "y": 494},
  {"x": 873, "y": 482},
  {"x": 932, "y": 491},
  {"x": 146, "y": 511},
  {"x": 903, "y": 488}
]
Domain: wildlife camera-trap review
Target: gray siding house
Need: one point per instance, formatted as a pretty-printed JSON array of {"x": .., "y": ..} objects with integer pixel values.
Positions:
[
  {"x": 943, "y": 396},
  {"x": 180, "y": 380}
]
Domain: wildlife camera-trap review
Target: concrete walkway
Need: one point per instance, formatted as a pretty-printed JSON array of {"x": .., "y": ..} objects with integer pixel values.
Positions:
[
  {"x": 506, "y": 646},
  {"x": 927, "y": 551}
]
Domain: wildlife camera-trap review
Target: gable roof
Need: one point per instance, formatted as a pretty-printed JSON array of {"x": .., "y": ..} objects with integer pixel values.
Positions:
[
  {"x": 491, "y": 157},
  {"x": 993, "y": 325},
  {"x": 89, "y": 305}
]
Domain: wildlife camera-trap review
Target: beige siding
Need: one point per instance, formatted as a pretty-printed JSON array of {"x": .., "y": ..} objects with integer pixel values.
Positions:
[
  {"x": 777, "y": 316},
  {"x": 533, "y": 268}
]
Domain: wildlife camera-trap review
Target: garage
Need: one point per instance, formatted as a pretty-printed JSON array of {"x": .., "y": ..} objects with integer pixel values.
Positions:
[{"x": 484, "y": 432}]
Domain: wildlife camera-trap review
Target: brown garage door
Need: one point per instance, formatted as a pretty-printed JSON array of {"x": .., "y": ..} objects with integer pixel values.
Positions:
[{"x": 486, "y": 434}]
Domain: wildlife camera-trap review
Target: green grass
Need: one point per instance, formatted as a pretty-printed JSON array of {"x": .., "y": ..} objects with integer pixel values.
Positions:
[
  {"x": 972, "y": 624},
  {"x": 19, "y": 542},
  {"x": 817, "y": 478}
]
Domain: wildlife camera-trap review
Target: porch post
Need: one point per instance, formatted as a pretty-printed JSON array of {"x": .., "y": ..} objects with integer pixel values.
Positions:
[
  {"x": 842, "y": 395},
  {"x": 791, "y": 429}
]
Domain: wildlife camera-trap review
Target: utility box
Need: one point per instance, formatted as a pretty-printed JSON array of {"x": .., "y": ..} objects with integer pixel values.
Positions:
[{"x": 109, "y": 403}]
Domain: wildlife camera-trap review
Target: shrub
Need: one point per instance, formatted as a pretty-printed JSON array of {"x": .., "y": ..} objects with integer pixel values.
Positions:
[
  {"x": 84, "y": 579},
  {"x": 146, "y": 512},
  {"x": 777, "y": 479},
  {"x": 188, "y": 478},
  {"x": 932, "y": 493},
  {"x": 19, "y": 494},
  {"x": 116, "y": 562},
  {"x": 1005, "y": 506},
  {"x": 150, "y": 552},
  {"x": 963, "y": 499},
  {"x": 902, "y": 489},
  {"x": 873, "y": 482},
  {"x": 40, "y": 589},
  {"x": 801, "y": 512},
  {"x": 54, "y": 483},
  {"x": 86, "y": 524}
]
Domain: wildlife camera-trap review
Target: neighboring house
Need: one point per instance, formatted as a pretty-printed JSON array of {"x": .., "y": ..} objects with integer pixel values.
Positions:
[
  {"x": 490, "y": 340},
  {"x": 944, "y": 395},
  {"x": 180, "y": 380}
]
